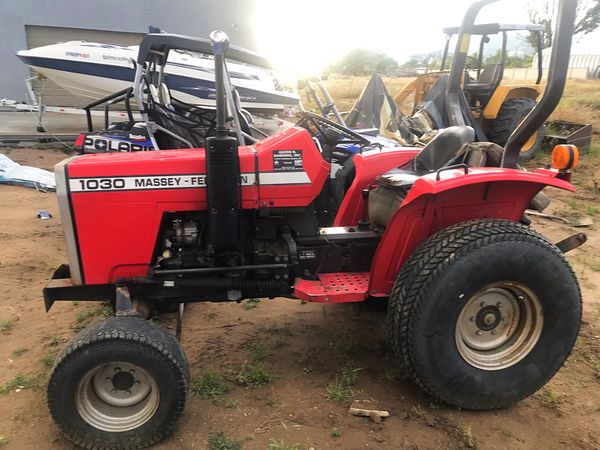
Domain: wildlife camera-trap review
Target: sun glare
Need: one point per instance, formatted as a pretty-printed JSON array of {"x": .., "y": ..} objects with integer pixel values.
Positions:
[{"x": 301, "y": 39}]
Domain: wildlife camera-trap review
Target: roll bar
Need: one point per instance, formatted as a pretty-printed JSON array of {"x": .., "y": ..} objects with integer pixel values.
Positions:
[
  {"x": 559, "y": 64},
  {"x": 159, "y": 44},
  {"x": 557, "y": 75},
  {"x": 453, "y": 89},
  {"x": 495, "y": 28}
]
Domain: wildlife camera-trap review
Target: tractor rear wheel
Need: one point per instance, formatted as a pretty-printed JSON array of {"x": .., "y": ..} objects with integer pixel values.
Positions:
[
  {"x": 119, "y": 384},
  {"x": 511, "y": 113},
  {"x": 484, "y": 313}
]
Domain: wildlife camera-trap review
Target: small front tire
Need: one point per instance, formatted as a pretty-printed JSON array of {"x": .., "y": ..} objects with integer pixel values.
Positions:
[{"x": 119, "y": 384}]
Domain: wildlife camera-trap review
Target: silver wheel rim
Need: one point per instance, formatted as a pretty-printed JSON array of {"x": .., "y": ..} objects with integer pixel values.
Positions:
[
  {"x": 499, "y": 326},
  {"x": 117, "y": 397}
]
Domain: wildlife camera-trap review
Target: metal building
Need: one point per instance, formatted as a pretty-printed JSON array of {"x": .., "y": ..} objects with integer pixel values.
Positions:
[
  {"x": 588, "y": 62},
  {"x": 32, "y": 23}
]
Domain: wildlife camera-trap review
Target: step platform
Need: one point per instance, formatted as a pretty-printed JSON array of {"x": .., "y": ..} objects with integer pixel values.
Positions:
[{"x": 339, "y": 287}]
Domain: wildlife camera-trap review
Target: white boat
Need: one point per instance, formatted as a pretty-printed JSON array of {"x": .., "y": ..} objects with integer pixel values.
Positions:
[{"x": 94, "y": 70}]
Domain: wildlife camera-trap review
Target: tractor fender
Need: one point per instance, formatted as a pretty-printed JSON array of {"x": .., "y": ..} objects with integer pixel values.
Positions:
[
  {"x": 433, "y": 204},
  {"x": 508, "y": 92}
]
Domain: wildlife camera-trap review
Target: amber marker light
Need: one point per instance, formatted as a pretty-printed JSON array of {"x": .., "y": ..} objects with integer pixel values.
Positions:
[{"x": 565, "y": 157}]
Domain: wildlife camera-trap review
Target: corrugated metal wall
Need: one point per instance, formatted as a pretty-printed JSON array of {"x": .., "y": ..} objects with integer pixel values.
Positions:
[{"x": 589, "y": 61}]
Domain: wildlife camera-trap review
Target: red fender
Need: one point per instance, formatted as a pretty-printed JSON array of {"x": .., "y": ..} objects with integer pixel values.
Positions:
[
  {"x": 432, "y": 205},
  {"x": 368, "y": 165}
]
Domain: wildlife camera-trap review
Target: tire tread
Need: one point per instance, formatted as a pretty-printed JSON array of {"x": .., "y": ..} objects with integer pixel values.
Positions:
[
  {"x": 420, "y": 271},
  {"x": 132, "y": 329}
]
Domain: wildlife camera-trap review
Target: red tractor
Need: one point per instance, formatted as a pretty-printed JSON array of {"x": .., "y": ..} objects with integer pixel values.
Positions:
[{"x": 482, "y": 309}]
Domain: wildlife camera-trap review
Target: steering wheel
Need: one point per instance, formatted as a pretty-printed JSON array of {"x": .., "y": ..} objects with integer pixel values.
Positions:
[{"x": 322, "y": 125}]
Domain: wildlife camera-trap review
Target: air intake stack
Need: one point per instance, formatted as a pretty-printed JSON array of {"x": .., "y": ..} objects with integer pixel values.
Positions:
[{"x": 222, "y": 162}]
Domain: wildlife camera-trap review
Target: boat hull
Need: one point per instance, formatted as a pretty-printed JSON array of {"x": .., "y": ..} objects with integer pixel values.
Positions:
[{"x": 100, "y": 71}]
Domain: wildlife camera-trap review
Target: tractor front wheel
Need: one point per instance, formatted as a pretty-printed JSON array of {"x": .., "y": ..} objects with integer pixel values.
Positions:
[
  {"x": 119, "y": 384},
  {"x": 484, "y": 313}
]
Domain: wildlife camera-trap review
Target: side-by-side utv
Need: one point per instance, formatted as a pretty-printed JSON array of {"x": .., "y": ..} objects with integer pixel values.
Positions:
[{"x": 482, "y": 309}]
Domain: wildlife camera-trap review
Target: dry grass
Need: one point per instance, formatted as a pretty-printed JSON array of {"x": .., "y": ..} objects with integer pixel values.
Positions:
[
  {"x": 346, "y": 89},
  {"x": 580, "y": 102}
]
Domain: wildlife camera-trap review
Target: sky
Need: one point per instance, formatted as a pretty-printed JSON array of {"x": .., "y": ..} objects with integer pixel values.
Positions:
[{"x": 301, "y": 38}]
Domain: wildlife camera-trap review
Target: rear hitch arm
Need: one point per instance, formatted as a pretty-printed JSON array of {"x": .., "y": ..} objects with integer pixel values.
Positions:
[{"x": 572, "y": 242}]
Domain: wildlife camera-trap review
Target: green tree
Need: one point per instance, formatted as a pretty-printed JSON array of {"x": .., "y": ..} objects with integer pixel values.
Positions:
[
  {"x": 510, "y": 60},
  {"x": 362, "y": 61},
  {"x": 386, "y": 65},
  {"x": 542, "y": 12}
]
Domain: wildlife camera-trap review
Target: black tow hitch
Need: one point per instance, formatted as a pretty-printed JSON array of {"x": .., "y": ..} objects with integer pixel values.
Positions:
[
  {"x": 572, "y": 242},
  {"x": 61, "y": 287}
]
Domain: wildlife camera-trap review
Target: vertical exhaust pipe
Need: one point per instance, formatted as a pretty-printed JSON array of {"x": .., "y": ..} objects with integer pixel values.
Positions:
[
  {"x": 557, "y": 75},
  {"x": 223, "y": 189}
]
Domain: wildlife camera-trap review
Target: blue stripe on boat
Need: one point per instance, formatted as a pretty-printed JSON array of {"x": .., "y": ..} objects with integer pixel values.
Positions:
[{"x": 203, "y": 89}]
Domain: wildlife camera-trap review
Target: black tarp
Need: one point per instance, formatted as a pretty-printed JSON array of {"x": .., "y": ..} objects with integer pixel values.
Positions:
[{"x": 375, "y": 108}]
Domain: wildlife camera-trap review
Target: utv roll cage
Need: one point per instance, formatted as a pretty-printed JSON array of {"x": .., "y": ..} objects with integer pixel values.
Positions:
[
  {"x": 179, "y": 124},
  {"x": 152, "y": 57},
  {"x": 161, "y": 44}
]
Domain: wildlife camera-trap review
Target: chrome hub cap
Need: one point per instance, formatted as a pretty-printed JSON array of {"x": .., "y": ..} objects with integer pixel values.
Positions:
[
  {"x": 499, "y": 326},
  {"x": 117, "y": 397}
]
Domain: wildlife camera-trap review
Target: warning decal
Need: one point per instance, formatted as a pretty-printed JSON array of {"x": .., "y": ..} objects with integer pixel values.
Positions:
[{"x": 287, "y": 161}]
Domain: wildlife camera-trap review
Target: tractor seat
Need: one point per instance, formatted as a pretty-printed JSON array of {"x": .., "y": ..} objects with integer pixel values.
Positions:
[
  {"x": 443, "y": 148},
  {"x": 446, "y": 147},
  {"x": 487, "y": 81}
]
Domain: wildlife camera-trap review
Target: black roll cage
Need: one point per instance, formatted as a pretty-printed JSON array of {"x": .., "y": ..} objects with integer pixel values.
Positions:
[{"x": 160, "y": 44}]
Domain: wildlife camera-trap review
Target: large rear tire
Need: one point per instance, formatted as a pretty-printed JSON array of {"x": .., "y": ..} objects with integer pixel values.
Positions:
[
  {"x": 484, "y": 313},
  {"x": 511, "y": 113},
  {"x": 119, "y": 384}
]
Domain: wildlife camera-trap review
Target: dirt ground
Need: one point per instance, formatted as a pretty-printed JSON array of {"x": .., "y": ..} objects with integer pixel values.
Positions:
[{"x": 302, "y": 347}]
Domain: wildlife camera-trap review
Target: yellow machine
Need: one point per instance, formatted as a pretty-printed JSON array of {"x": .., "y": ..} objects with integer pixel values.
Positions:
[{"x": 493, "y": 106}]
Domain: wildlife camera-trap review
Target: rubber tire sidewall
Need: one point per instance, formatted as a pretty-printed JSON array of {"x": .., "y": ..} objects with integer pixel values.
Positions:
[
  {"x": 530, "y": 154},
  {"x": 500, "y": 135},
  {"x": 435, "y": 355},
  {"x": 66, "y": 376}
]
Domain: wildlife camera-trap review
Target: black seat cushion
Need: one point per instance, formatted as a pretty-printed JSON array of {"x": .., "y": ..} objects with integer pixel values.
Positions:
[
  {"x": 485, "y": 85},
  {"x": 443, "y": 148},
  {"x": 479, "y": 87},
  {"x": 448, "y": 146},
  {"x": 488, "y": 78}
]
